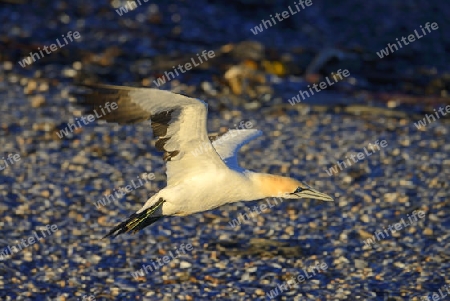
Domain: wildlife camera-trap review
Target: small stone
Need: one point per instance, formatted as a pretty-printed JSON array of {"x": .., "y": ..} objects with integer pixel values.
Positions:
[
  {"x": 428, "y": 231},
  {"x": 365, "y": 218},
  {"x": 399, "y": 265},
  {"x": 360, "y": 264},
  {"x": 115, "y": 291},
  {"x": 7, "y": 65},
  {"x": 37, "y": 101},
  {"x": 185, "y": 265}
]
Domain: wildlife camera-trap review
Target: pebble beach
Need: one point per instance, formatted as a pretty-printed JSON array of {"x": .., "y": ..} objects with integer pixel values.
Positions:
[{"x": 385, "y": 237}]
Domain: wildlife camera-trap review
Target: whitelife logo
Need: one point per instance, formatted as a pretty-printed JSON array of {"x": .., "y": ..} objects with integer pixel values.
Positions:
[
  {"x": 165, "y": 260},
  {"x": 411, "y": 38},
  {"x": 119, "y": 193},
  {"x": 435, "y": 296},
  {"x": 34, "y": 56},
  {"x": 284, "y": 15},
  {"x": 423, "y": 122},
  {"x": 323, "y": 85},
  {"x": 31, "y": 240},
  {"x": 11, "y": 158},
  {"x": 301, "y": 277},
  {"x": 256, "y": 211},
  {"x": 334, "y": 170},
  {"x": 398, "y": 226},
  {"x": 88, "y": 298},
  {"x": 90, "y": 118},
  {"x": 131, "y": 5},
  {"x": 230, "y": 134},
  {"x": 167, "y": 74}
]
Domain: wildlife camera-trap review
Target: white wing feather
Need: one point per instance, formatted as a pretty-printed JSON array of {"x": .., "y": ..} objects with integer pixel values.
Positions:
[
  {"x": 228, "y": 145},
  {"x": 183, "y": 123}
]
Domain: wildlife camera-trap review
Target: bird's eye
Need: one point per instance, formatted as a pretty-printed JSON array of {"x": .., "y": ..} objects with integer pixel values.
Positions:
[{"x": 299, "y": 189}]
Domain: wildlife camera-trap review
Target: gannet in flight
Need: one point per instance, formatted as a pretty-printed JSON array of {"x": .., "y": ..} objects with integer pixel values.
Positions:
[{"x": 195, "y": 182}]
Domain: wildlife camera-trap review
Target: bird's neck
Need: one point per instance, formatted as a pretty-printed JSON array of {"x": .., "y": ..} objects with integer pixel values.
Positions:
[{"x": 267, "y": 185}]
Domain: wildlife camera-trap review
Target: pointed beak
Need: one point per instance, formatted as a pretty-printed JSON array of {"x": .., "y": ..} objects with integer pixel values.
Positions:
[{"x": 314, "y": 194}]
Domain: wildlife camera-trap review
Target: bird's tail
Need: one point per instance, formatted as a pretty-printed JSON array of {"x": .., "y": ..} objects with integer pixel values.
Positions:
[{"x": 137, "y": 221}]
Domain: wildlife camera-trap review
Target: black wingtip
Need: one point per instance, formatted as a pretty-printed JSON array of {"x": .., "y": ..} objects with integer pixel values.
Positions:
[
  {"x": 120, "y": 228},
  {"x": 136, "y": 221}
]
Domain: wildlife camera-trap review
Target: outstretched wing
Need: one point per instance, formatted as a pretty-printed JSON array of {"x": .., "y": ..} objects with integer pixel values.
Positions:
[
  {"x": 228, "y": 145},
  {"x": 178, "y": 121}
]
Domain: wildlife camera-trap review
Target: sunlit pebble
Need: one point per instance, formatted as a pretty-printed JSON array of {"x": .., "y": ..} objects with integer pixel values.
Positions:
[
  {"x": 309, "y": 157},
  {"x": 404, "y": 122},
  {"x": 69, "y": 72},
  {"x": 185, "y": 265},
  {"x": 412, "y": 230},
  {"x": 406, "y": 183},
  {"x": 64, "y": 19},
  {"x": 207, "y": 87},
  {"x": 27, "y": 255},
  {"x": 220, "y": 265},
  {"x": 392, "y": 104},
  {"x": 428, "y": 231},
  {"x": 115, "y": 291},
  {"x": 77, "y": 65},
  {"x": 289, "y": 230},
  {"x": 259, "y": 292},
  {"x": 31, "y": 86},
  {"x": 365, "y": 218},
  {"x": 347, "y": 179},
  {"x": 43, "y": 87},
  {"x": 176, "y": 18},
  {"x": 95, "y": 259},
  {"x": 342, "y": 203},
  {"x": 76, "y": 232},
  {"x": 37, "y": 101},
  {"x": 7, "y": 65},
  {"x": 405, "y": 142},
  {"x": 146, "y": 82},
  {"x": 343, "y": 236},
  {"x": 245, "y": 277},
  {"x": 116, "y": 3},
  {"x": 22, "y": 209}
]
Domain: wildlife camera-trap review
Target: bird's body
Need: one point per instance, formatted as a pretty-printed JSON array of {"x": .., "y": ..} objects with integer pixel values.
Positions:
[
  {"x": 204, "y": 192},
  {"x": 196, "y": 180}
]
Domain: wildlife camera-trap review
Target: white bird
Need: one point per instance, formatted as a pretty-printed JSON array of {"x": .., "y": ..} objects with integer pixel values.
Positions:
[{"x": 196, "y": 181}]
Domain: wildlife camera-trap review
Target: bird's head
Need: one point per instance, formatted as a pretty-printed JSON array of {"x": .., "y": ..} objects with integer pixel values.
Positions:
[
  {"x": 304, "y": 191},
  {"x": 288, "y": 188}
]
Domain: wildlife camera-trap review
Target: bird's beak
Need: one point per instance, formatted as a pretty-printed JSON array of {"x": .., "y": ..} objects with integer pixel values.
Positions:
[{"x": 314, "y": 194}]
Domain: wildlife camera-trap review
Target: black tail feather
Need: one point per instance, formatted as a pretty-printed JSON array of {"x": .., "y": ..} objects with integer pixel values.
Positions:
[{"x": 136, "y": 221}]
